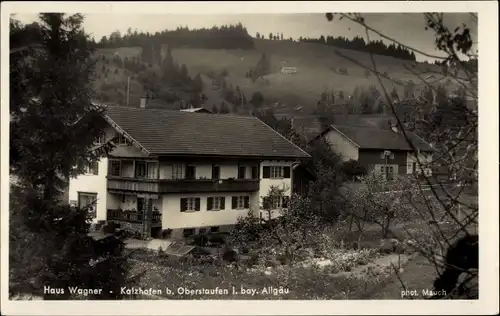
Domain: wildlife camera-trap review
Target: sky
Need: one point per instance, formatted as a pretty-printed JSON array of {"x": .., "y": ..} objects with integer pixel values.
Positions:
[{"x": 408, "y": 28}]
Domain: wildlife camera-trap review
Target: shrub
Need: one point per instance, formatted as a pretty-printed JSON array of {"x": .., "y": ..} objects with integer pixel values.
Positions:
[
  {"x": 166, "y": 233},
  {"x": 230, "y": 256},
  {"x": 342, "y": 71}
]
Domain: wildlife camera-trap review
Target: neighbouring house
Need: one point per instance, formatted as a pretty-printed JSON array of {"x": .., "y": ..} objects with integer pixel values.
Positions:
[
  {"x": 301, "y": 179},
  {"x": 186, "y": 173},
  {"x": 197, "y": 110},
  {"x": 381, "y": 150}
]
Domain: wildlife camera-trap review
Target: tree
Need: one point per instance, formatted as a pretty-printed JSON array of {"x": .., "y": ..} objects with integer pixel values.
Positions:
[
  {"x": 257, "y": 35},
  {"x": 383, "y": 203},
  {"x": 53, "y": 131},
  {"x": 288, "y": 230},
  {"x": 455, "y": 147},
  {"x": 215, "y": 109},
  {"x": 257, "y": 99},
  {"x": 198, "y": 83},
  {"x": 352, "y": 169},
  {"x": 224, "y": 109},
  {"x": 394, "y": 94}
]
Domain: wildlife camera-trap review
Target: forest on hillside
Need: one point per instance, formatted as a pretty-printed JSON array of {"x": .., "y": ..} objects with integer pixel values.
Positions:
[
  {"x": 223, "y": 37},
  {"x": 359, "y": 44},
  {"x": 235, "y": 37}
]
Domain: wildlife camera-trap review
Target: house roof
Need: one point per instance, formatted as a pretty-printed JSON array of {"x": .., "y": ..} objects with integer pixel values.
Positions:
[
  {"x": 164, "y": 132},
  {"x": 193, "y": 110},
  {"x": 378, "y": 138}
]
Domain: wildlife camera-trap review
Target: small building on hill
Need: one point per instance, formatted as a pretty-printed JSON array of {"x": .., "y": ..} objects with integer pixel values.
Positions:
[
  {"x": 289, "y": 70},
  {"x": 380, "y": 150}
]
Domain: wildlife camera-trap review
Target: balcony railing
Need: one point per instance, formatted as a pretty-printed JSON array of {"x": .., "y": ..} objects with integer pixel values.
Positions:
[
  {"x": 132, "y": 184},
  {"x": 132, "y": 216},
  {"x": 208, "y": 185},
  {"x": 182, "y": 185}
]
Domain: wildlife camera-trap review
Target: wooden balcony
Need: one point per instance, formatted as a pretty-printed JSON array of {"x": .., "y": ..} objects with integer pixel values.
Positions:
[
  {"x": 181, "y": 185},
  {"x": 132, "y": 184},
  {"x": 210, "y": 185},
  {"x": 132, "y": 217}
]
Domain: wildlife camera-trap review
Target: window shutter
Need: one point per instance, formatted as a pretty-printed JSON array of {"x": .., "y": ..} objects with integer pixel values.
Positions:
[
  {"x": 197, "y": 204},
  {"x": 210, "y": 203},
  {"x": 285, "y": 201},
  {"x": 247, "y": 202},
  {"x": 234, "y": 202},
  {"x": 266, "y": 203},
  {"x": 286, "y": 172},
  {"x": 96, "y": 169},
  {"x": 266, "y": 172},
  {"x": 222, "y": 203},
  {"x": 255, "y": 173},
  {"x": 183, "y": 204}
]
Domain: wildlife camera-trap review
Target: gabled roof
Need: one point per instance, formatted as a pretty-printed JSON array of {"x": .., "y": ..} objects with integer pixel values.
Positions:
[
  {"x": 378, "y": 138},
  {"x": 164, "y": 132}
]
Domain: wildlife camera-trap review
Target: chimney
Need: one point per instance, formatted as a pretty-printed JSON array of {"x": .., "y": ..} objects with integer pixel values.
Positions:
[{"x": 144, "y": 102}]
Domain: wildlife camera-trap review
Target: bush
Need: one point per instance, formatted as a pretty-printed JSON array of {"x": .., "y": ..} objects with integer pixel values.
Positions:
[
  {"x": 342, "y": 71},
  {"x": 166, "y": 233},
  {"x": 230, "y": 256}
]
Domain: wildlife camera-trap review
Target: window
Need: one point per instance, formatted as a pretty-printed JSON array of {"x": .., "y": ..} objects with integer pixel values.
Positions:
[
  {"x": 275, "y": 202},
  {"x": 215, "y": 172},
  {"x": 190, "y": 204},
  {"x": 276, "y": 172},
  {"x": 140, "y": 169},
  {"x": 92, "y": 168},
  {"x": 214, "y": 229},
  {"x": 202, "y": 231},
  {"x": 188, "y": 232},
  {"x": 88, "y": 200},
  {"x": 216, "y": 203},
  {"x": 115, "y": 168},
  {"x": 241, "y": 172},
  {"x": 178, "y": 171},
  {"x": 144, "y": 169},
  {"x": 190, "y": 172},
  {"x": 240, "y": 202},
  {"x": 120, "y": 139}
]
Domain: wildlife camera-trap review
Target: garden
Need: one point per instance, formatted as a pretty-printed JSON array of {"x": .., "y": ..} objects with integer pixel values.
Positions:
[{"x": 298, "y": 255}]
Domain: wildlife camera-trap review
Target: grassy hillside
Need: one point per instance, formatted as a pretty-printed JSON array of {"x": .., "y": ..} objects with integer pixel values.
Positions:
[{"x": 317, "y": 72}]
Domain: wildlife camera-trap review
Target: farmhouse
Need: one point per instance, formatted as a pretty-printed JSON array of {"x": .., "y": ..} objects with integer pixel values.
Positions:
[
  {"x": 379, "y": 150},
  {"x": 185, "y": 172},
  {"x": 289, "y": 70}
]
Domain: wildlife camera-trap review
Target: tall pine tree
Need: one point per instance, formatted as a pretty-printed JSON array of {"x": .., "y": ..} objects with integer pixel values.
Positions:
[{"x": 54, "y": 126}]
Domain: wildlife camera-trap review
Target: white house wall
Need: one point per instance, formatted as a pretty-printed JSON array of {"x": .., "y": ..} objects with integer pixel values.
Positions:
[
  {"x": 173, "y": 218},
  {"x": 92, "y": 184},
  {"x": 341, "y": 145},
  {"x": 424, "y": 158}
]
